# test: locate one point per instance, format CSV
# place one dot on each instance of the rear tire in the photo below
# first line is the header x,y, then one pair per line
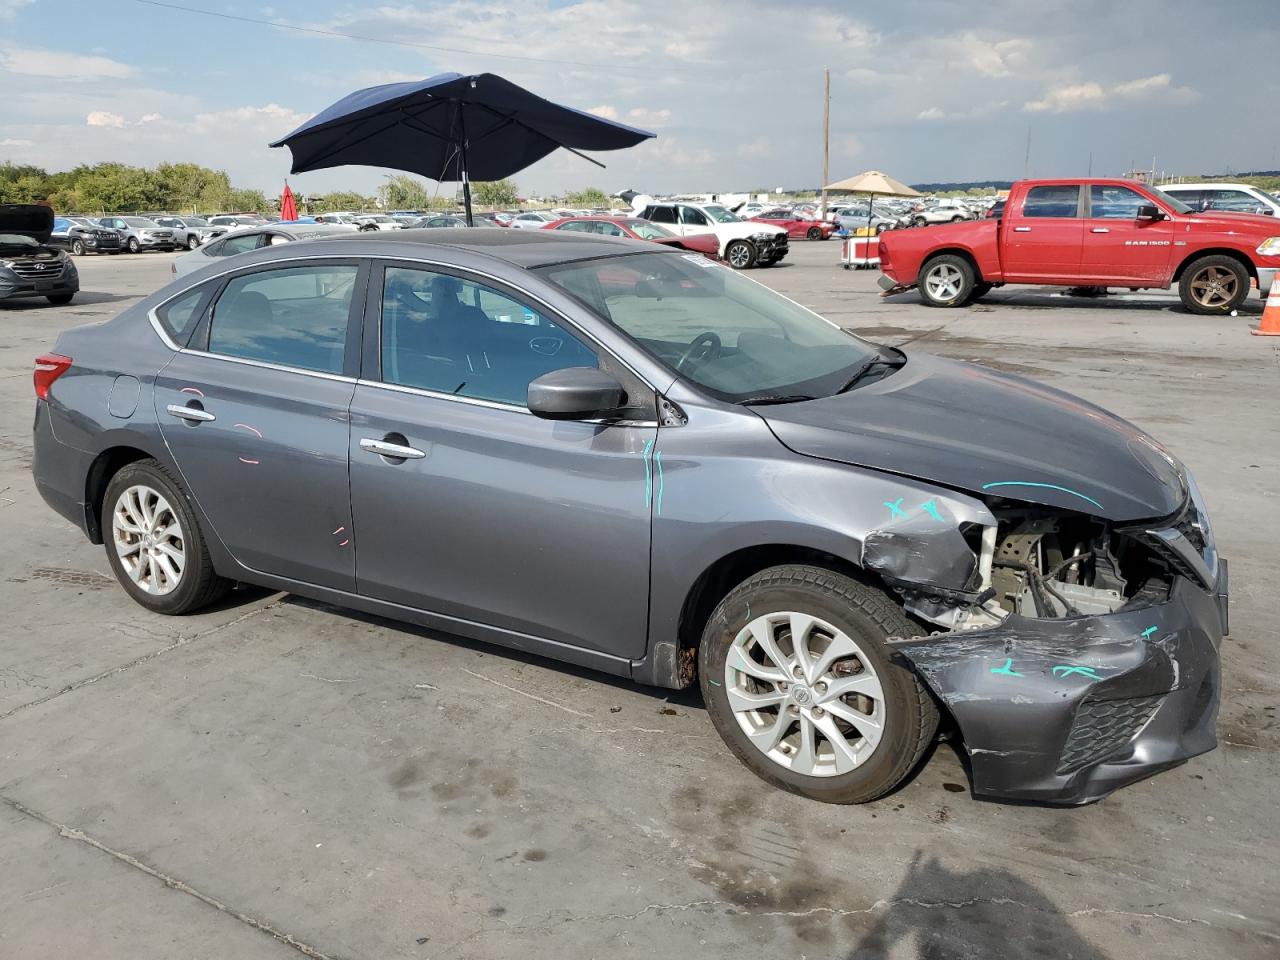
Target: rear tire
x,y
814,233
154,544
1214,285
946,281
740,254
763,721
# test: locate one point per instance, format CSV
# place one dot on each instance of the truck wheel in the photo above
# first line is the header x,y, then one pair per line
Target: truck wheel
x,y
77,248
800,682
741,254
946,281
1214,285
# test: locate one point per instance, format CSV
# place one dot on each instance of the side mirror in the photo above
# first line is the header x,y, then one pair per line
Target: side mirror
x,y
1149,211
575,393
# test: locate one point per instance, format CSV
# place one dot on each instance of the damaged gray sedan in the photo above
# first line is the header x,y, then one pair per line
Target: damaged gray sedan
x,y
638,461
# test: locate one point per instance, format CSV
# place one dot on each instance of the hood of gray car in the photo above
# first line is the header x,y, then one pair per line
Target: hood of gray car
x,y
989,433
27,220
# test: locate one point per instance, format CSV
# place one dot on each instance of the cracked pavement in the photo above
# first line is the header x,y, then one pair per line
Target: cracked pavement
x,y
276,777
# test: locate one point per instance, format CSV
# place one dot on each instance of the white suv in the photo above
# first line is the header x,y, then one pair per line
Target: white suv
x,y
743,243
1227,197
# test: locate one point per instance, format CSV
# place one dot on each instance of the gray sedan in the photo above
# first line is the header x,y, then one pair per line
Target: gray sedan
x,y
251,238
632,459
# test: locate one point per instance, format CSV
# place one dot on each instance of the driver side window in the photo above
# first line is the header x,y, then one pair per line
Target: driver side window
x,y
450,335
688,215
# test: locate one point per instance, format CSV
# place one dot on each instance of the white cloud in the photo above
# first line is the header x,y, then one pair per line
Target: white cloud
x,y
644,117
149,118
9,8
63,65
104,118
932,113
272,120
756,149
604,110
1091,95
16,142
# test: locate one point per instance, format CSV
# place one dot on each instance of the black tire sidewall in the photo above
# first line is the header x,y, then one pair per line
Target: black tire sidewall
x,y
869,780
194,577
132,245
814,233
77,248
751,261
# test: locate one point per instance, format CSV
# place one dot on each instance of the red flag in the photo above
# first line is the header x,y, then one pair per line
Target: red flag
x,y
288,207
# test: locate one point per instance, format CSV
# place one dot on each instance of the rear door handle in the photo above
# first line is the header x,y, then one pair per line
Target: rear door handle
x,y
193,414
1021,229
385,449
1100,230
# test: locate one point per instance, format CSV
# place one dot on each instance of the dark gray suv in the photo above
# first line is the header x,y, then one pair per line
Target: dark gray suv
x,y
635,460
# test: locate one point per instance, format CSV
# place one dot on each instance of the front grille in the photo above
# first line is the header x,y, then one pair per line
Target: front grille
x,y
1102,727
106,236
161,234
38,269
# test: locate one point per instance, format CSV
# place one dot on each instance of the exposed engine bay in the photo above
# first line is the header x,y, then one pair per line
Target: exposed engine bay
x,y
1045,565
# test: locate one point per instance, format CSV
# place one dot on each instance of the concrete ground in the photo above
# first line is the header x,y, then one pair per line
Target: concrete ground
x,y
275,776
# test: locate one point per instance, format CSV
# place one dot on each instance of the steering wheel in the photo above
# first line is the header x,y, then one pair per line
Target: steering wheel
x,y
705,346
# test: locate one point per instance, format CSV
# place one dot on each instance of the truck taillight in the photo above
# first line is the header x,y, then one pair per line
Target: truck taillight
x,y
48,369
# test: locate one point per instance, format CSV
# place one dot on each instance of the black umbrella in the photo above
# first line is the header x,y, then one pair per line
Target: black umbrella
x,y
450,127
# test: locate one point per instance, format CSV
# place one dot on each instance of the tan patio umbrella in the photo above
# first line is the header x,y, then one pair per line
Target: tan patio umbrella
x,y
873,183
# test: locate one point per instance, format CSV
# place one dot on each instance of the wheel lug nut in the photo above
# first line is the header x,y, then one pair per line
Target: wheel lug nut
x,y
782,686
798,673
820,687
818,711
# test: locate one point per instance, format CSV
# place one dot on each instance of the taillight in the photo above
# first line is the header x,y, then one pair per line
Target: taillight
x,y
48,369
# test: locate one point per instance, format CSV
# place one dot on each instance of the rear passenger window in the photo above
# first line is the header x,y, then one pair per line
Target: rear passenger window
x,y
243,244
662,214
295,316
182,314
455,336
1052,201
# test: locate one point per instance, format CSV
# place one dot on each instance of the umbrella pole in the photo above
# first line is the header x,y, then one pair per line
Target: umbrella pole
x,y
466,178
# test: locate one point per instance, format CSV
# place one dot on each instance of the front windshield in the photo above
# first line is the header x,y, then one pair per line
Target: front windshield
x,y
648,231
196,222
721,214
1171,200
140,222
733,336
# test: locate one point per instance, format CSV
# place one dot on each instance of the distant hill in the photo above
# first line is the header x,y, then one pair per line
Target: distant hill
x,y
962,186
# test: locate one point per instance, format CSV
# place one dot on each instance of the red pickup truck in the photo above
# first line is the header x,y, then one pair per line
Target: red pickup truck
x,y
1088,233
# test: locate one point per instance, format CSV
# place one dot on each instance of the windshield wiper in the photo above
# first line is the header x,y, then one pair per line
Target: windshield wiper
x,y
769,398
871,363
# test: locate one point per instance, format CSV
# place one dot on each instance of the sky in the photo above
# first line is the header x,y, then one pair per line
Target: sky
x,y
925,90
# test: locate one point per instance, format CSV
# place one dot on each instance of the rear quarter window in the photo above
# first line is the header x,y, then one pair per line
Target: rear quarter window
x,y
181,315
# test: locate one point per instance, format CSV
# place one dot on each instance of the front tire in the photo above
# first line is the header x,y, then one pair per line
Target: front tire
x,y
1214,285
814,233
133,245
833,717
77,248
946,281
192,242
154,543
740,254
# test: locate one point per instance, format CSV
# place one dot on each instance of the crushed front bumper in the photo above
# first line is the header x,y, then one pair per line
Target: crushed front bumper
x,y
1066,711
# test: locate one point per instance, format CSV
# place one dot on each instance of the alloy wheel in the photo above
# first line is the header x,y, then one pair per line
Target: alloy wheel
x,y
148,539
1215,287
944,282
739,255
805,694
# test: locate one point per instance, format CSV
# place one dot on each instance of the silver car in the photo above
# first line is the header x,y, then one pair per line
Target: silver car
x,y
632,459
191,231
251,238
140,233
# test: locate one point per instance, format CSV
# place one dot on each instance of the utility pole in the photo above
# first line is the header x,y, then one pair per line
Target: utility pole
x,y
826,138
1026,163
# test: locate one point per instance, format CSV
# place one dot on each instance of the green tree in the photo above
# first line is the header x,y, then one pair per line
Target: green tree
x,y
403,192
495,193
589,197
341,200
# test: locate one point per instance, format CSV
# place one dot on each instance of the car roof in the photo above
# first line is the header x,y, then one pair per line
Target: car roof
x,y
1212,184
521,248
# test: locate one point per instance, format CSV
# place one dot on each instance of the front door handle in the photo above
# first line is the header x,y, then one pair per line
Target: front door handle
x,y
384,448
1021,229
192,414
1100,230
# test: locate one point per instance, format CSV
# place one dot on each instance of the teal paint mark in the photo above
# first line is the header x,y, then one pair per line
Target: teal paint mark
x,y
1149,631
1066,670
895,508
658,457
648,474
715,683
932,509
1043,486
1007,670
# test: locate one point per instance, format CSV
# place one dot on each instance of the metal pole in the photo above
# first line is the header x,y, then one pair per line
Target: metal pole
x,y
466,179
826,139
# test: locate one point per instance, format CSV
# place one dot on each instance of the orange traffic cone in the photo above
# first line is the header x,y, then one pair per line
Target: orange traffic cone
x,y
1270,326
